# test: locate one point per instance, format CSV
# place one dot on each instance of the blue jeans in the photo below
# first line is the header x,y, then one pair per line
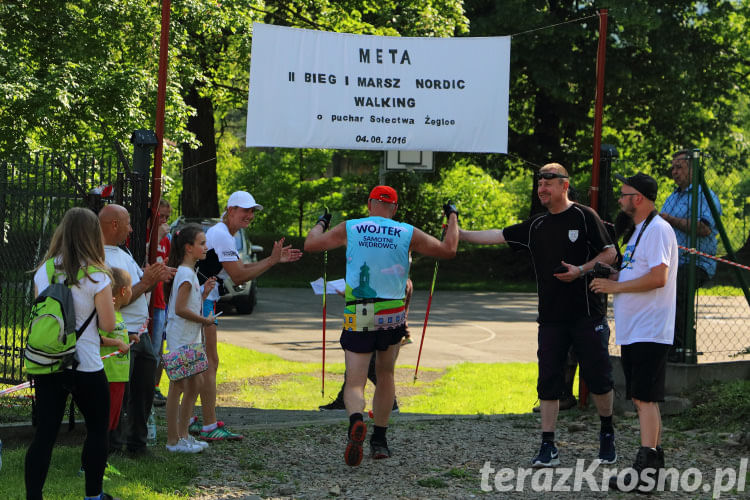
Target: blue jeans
x,y
158,321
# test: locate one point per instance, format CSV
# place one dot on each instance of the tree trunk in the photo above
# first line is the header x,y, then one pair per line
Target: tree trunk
x,y
199,197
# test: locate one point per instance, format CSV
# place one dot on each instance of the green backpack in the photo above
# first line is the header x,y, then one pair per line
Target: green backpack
x,y
51,343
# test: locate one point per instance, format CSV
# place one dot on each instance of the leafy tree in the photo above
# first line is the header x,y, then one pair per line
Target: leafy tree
x,y
673,76
78,74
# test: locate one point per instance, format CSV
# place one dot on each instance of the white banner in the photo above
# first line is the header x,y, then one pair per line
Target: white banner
x,y
317,89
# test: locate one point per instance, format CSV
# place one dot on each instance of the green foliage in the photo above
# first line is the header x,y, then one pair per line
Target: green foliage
x,y
724,406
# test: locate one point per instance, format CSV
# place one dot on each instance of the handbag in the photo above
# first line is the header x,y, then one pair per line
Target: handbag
x,y
185,362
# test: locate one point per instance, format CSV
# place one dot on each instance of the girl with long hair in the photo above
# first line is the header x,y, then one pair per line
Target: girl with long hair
x,y
78,255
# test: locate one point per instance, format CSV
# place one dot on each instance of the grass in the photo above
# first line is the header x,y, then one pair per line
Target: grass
x,y
724,407
156,478
270,382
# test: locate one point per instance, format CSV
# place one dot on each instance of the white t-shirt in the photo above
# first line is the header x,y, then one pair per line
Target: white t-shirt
x,y
135,314
181,331
222,242
648,316
88,344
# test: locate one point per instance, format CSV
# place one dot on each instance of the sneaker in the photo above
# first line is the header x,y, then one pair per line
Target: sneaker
x,y
547,456
353,452
220,434
159,399
395,407
195,426
336,404
107,496
607,452
568,403
183,446
196,442
646,458
379,450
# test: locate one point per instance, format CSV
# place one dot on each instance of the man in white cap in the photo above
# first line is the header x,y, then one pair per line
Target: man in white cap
x,y
223,261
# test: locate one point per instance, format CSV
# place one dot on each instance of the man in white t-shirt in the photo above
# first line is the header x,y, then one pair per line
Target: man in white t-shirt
x,y
644,305
115,223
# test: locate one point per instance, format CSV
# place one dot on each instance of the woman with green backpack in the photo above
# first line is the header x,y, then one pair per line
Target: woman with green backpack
x,y
75,258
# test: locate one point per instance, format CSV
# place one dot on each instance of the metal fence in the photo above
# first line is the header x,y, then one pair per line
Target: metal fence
x,y
35,192
712,216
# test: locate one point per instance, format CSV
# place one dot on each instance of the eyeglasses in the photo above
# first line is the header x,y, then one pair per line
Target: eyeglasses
x,y
550,175
623,195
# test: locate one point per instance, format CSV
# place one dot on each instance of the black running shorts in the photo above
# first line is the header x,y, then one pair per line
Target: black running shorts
x,y
645,367
364,342
589,338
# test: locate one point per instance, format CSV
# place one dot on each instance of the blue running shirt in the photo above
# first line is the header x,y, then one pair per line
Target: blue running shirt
x,y
377,267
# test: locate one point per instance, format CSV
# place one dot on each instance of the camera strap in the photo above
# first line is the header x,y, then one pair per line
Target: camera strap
x,y
640,233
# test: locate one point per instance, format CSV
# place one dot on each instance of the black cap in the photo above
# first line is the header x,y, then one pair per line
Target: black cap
x,y
644,184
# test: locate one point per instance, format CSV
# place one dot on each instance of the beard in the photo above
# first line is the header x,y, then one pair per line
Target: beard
x,y
624,225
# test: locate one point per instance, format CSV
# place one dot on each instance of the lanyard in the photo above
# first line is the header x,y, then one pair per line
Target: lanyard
x,y
640,233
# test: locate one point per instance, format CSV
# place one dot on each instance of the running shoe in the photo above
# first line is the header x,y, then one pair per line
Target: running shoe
x,y
183,446
196,442
547,456
195,426
379,450
159,399
353,452
221,433
607,452
336,404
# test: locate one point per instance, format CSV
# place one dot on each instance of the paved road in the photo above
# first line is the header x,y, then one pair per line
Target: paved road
x,y
464,326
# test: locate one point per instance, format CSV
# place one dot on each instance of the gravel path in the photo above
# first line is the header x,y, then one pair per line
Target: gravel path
x,y
436,458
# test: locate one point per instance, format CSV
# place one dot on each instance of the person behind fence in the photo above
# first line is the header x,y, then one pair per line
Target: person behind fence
x,y
117,368
158,312
377,266
186,358
677,212
222,262
139,394
644,306
77,257
565,243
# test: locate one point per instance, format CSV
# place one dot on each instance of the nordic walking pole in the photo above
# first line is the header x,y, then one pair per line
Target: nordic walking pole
x,y
327,219
429,303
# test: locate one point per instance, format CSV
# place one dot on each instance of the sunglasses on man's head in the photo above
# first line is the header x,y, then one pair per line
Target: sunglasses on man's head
x,y
550,175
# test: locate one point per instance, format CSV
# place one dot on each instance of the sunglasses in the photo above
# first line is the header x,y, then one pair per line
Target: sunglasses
x,y
550,175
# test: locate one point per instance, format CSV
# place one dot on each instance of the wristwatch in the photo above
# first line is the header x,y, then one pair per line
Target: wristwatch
x,y
580,268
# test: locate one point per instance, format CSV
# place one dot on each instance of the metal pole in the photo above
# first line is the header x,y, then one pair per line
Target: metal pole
x,y
161,94
690,356
599,103
601,54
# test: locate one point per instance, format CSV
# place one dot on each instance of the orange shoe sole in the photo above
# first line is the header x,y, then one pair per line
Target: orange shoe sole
x,y
353,452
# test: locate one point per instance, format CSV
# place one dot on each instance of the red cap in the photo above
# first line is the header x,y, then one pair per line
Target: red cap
x,y
386,194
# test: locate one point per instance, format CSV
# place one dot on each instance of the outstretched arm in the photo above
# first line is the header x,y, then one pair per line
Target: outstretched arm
x,y
486,237
240,272
317,240
430,246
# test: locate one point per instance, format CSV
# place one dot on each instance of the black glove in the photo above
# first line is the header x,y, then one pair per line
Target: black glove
x,y
448,209
325,219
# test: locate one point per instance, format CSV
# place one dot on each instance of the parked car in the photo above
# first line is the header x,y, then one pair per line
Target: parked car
x,y
243,297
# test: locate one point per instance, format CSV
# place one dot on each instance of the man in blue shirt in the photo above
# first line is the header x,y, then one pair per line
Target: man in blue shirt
x,y
676,211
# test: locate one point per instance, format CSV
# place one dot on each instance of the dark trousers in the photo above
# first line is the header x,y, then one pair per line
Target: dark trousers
x,y
139,396
683,297
91,394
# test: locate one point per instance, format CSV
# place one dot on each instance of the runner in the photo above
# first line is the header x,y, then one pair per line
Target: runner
x,y
377,256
